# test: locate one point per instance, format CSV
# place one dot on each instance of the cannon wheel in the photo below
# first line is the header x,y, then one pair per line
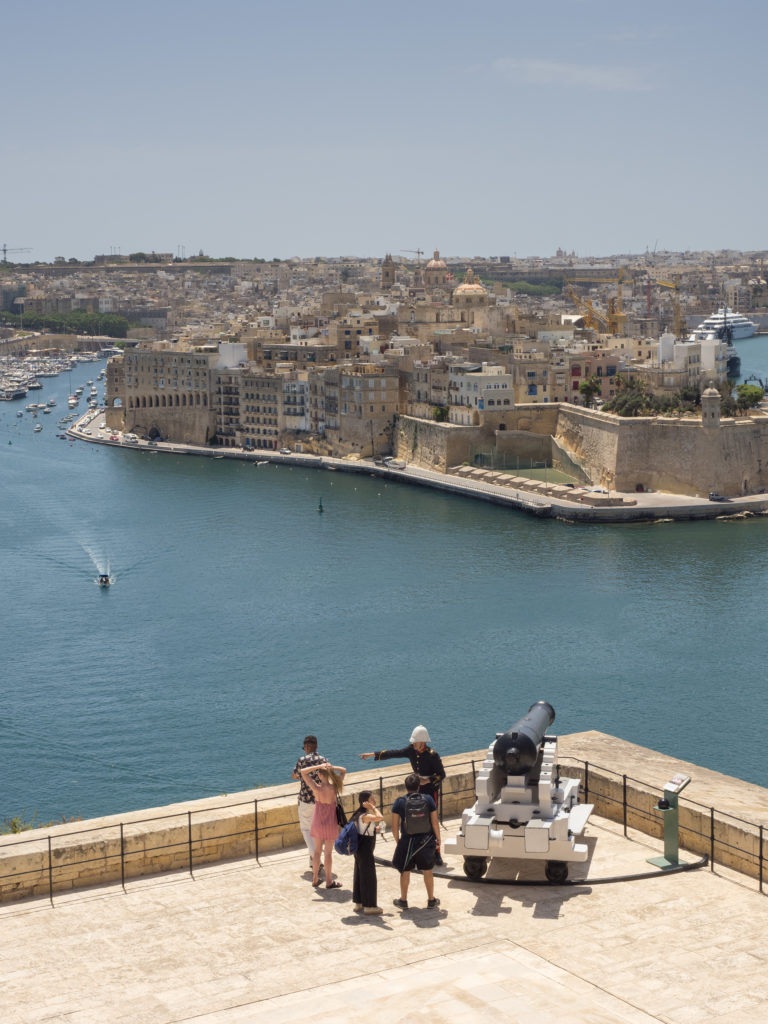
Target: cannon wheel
x,y
556,871
475,868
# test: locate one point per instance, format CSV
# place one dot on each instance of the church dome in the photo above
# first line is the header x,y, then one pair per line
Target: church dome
x,y
436,263
470,287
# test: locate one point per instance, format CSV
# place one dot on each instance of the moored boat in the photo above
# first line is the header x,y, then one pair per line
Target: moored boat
x,y
724,324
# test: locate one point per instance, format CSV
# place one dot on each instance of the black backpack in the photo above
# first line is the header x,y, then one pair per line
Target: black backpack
x,y
417,813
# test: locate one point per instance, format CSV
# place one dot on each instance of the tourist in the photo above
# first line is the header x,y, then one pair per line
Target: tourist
x,y
366,818
306,797
425,762
325,826
416,831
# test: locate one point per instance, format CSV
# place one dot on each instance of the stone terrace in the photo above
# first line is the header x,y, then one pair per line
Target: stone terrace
x,y
246,941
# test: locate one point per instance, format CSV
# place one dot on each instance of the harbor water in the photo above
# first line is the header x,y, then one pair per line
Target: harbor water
x,y
240,618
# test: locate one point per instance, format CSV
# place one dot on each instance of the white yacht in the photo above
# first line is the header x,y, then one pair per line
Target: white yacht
x,y
724,324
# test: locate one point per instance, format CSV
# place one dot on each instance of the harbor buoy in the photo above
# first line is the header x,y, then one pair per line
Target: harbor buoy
x,y
320,506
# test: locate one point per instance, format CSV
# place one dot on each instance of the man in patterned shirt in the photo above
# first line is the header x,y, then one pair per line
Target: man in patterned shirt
x,y
306,798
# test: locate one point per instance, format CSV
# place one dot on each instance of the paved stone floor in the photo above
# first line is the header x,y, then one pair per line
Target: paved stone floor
x,y
245,942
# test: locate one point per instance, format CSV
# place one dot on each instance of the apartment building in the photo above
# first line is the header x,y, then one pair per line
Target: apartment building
x,y
353,407
474,390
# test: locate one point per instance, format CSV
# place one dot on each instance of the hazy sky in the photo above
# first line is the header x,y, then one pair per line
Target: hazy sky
x,y
296,128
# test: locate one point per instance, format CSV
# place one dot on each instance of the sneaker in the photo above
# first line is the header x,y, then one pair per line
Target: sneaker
x,y
402,904
372,910
357,906
433,903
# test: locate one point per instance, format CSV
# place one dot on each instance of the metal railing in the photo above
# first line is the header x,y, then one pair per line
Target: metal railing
x,y
624,807
711,840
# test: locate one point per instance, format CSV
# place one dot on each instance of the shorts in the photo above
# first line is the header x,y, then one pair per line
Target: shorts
x,y
415,852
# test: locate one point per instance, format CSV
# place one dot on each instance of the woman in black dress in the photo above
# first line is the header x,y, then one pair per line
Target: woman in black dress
x,y
366,818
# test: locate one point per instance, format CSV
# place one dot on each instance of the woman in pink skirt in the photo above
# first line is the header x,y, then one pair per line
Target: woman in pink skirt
x,y
324,828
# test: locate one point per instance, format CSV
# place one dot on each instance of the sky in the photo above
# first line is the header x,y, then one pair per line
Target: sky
x,y
252,129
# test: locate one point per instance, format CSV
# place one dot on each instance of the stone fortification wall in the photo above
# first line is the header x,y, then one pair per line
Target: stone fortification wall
x,y
534,419
434,445
183,836
592,440
683,458
724,816
526,432
678,456
663,454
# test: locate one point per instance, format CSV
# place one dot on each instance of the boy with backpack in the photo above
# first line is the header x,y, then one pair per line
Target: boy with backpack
x,y
416,831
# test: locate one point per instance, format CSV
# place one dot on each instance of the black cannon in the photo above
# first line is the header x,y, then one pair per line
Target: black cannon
x,y
516,751
525,810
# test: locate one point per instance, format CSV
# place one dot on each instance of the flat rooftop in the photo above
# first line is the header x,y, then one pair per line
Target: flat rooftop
x,y
246,941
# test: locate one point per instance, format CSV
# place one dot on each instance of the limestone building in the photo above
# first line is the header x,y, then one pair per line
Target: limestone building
x,y
353,407
162,390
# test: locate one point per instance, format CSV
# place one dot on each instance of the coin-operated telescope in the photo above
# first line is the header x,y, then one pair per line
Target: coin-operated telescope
x,y
523,810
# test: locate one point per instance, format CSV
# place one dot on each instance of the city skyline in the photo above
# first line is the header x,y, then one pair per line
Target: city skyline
x,y
338,130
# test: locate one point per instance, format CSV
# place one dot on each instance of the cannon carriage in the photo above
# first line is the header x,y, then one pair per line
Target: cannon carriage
x,y
524,810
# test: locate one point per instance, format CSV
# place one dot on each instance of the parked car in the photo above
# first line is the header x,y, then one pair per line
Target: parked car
x,y
285,451
714,496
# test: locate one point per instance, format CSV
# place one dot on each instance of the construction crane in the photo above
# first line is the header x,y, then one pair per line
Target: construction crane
x,y
419,253
614,319
592,318
678,319
6,250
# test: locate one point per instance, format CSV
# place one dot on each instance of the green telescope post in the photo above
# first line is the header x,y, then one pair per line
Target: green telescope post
x,y
668,807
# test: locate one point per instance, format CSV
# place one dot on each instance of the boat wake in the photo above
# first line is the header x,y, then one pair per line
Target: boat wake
x,y
101,565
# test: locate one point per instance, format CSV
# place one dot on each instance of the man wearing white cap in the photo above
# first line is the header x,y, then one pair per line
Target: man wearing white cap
x,y
426,764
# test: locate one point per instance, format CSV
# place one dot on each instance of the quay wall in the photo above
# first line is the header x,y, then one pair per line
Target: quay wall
x,y
718,814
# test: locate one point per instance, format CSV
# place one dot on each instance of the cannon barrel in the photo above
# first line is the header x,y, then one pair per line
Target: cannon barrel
x,y
516,751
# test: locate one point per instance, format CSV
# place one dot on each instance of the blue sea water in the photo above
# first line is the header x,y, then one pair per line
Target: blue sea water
x,y
241,619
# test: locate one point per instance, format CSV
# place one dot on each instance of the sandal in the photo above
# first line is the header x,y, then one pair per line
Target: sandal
x,y
333,885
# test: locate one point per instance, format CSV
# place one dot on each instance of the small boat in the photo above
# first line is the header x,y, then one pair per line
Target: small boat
x,y
38,427
104,580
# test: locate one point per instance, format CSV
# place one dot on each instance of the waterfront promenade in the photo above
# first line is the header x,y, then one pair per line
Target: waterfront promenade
x,y
637,507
